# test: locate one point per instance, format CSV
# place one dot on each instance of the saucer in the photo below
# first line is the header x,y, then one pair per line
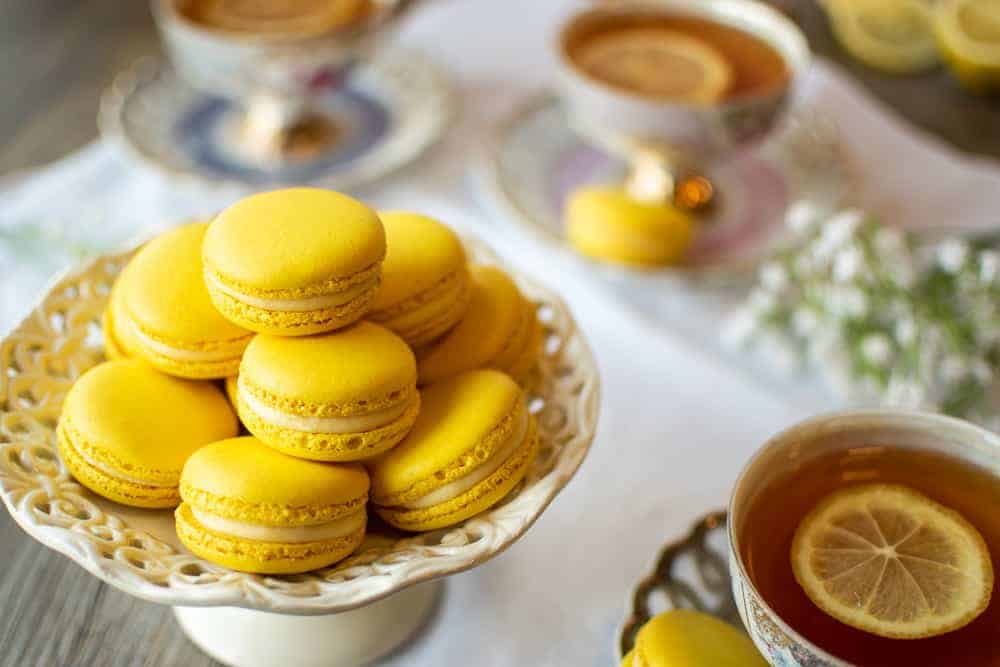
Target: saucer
x,y
536,161
689,573
387,113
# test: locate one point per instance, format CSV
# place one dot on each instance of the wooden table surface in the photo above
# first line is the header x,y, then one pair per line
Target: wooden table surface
x,y
56,56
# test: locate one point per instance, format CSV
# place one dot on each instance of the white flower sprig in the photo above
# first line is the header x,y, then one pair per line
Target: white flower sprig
x,y
882,317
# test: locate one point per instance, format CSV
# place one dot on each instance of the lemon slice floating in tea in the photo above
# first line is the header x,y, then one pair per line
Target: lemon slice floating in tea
x,y
968,32
658,63
896,36
890,561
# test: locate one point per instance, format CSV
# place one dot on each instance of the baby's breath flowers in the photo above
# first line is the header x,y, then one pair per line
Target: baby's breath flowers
x,y
884,318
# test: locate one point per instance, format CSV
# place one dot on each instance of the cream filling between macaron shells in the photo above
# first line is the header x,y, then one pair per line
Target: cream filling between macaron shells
x,y
296,305
477,475
341,527
117,474
182,354
338,425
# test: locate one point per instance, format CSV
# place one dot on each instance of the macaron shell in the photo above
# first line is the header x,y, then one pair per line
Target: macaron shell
x,y
627,661
261,557
118,490
478,499
293,238
292,323
428,315
330,446
606,224
130,417
348,372
166,300
421,252
461,421
491,320
244,480
113,348
685,636
118,342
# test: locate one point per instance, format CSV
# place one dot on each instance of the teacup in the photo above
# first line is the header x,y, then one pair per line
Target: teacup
x,y
276,77
857,434
679,136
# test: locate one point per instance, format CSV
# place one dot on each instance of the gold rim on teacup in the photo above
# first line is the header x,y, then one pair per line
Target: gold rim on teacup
x,y
667,141
774,637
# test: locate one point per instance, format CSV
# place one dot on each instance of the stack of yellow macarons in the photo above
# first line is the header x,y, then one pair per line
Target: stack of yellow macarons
x,y
360,350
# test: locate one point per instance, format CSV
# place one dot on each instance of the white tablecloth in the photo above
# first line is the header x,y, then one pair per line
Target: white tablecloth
x,y
676,422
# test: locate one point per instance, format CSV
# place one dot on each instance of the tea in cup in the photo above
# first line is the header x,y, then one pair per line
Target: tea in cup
x,y
871,538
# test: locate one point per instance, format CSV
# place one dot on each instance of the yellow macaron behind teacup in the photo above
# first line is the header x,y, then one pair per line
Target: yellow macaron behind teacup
x,y
342,396
472,443
425,282
607,224
251,508
294,262
500,330
126,430
168,314
688,638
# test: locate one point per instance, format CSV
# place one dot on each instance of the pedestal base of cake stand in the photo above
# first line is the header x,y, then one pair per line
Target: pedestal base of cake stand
x,y
249,638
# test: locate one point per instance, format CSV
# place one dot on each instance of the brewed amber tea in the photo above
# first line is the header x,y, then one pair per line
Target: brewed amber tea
x,y
287,17
673,56
777,510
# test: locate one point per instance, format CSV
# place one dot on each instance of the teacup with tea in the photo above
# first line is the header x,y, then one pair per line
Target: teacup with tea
x,y
275,59
871,538
686,82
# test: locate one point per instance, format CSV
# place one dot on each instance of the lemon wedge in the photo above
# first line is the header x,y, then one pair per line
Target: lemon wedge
x,y
968,32
892,562
657,62
895,36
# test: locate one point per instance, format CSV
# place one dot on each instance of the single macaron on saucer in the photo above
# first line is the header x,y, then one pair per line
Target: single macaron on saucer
x,y
253,509
425,281
126,430
342,396
500,329
167,315
470,446
294,262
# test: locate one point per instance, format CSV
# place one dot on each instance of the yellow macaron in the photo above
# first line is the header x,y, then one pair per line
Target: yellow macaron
x,y
251,508
341,396
425,282
118,343
294,262
688,638
500,330
126,430
607,224
168,314
472,443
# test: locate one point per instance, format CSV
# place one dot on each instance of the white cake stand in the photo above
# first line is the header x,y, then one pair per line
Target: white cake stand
x,y
345,615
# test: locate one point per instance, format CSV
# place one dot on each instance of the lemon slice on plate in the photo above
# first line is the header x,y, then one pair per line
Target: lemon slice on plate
x,y
895,36
892,562
657,63
968,32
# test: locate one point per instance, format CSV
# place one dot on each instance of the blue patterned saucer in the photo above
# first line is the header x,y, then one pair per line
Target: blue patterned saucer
x,y
386,114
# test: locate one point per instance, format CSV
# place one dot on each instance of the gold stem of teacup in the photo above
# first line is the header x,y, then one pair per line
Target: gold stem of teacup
x,y
279,127
656,176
